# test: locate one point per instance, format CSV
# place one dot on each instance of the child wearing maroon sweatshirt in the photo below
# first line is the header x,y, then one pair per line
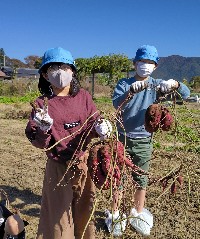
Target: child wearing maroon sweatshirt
x,y
63,121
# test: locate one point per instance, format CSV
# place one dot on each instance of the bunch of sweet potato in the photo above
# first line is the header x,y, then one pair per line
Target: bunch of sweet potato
x,y
106,163
157,116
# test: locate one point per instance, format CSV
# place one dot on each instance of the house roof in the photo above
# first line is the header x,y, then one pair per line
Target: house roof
x,y
20,72
2,74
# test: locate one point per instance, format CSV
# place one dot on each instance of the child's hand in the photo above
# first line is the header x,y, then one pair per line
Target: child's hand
x,y
103,128
42,118
138,86
167,86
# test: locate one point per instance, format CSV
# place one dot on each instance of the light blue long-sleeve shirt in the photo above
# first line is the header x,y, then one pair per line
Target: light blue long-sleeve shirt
x,y
133,112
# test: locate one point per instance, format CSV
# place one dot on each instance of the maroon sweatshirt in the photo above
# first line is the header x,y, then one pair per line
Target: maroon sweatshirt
x,y
69,114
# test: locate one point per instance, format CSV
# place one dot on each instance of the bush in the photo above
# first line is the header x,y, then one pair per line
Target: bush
x,y
17,87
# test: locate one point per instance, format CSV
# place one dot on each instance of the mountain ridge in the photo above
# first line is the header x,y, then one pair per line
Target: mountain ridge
x,y
177,67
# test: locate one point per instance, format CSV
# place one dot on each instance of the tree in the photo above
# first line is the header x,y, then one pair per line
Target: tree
x,y
185,82
2,55
15,63
38,63
111,67
30,61
195,83
112,64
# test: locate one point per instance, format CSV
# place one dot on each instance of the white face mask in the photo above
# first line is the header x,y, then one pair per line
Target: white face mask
x,y
144,69
60,78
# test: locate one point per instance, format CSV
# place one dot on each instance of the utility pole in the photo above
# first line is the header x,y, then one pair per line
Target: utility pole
x,y
4,60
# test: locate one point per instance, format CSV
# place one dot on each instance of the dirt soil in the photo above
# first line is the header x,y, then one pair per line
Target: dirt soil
x,y
22,168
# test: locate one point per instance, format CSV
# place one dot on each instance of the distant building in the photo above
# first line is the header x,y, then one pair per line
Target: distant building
x,y
3,76
20,72
7,70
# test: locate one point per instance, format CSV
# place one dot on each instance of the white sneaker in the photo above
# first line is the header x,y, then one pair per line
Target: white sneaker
x,y
119,227
142,222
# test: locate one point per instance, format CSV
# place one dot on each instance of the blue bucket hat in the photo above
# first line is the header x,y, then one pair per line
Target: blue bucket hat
x,y
147,52
57,54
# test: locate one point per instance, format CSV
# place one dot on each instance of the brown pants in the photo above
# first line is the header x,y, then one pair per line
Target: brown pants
x,y
62,215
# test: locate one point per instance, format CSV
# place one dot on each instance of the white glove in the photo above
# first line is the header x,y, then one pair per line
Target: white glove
x,y
104,128
167,86
1,220
138,86
43,120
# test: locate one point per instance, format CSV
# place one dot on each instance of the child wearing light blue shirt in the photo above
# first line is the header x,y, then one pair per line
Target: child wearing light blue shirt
x,y
138,141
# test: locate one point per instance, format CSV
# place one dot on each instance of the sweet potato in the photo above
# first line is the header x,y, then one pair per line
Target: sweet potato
x,y
156,117
105,163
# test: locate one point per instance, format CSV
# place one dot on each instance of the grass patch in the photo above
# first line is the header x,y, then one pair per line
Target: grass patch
x,y
17,99
103,100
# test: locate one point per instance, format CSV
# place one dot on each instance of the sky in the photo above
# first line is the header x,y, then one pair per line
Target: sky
x,y
89,28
